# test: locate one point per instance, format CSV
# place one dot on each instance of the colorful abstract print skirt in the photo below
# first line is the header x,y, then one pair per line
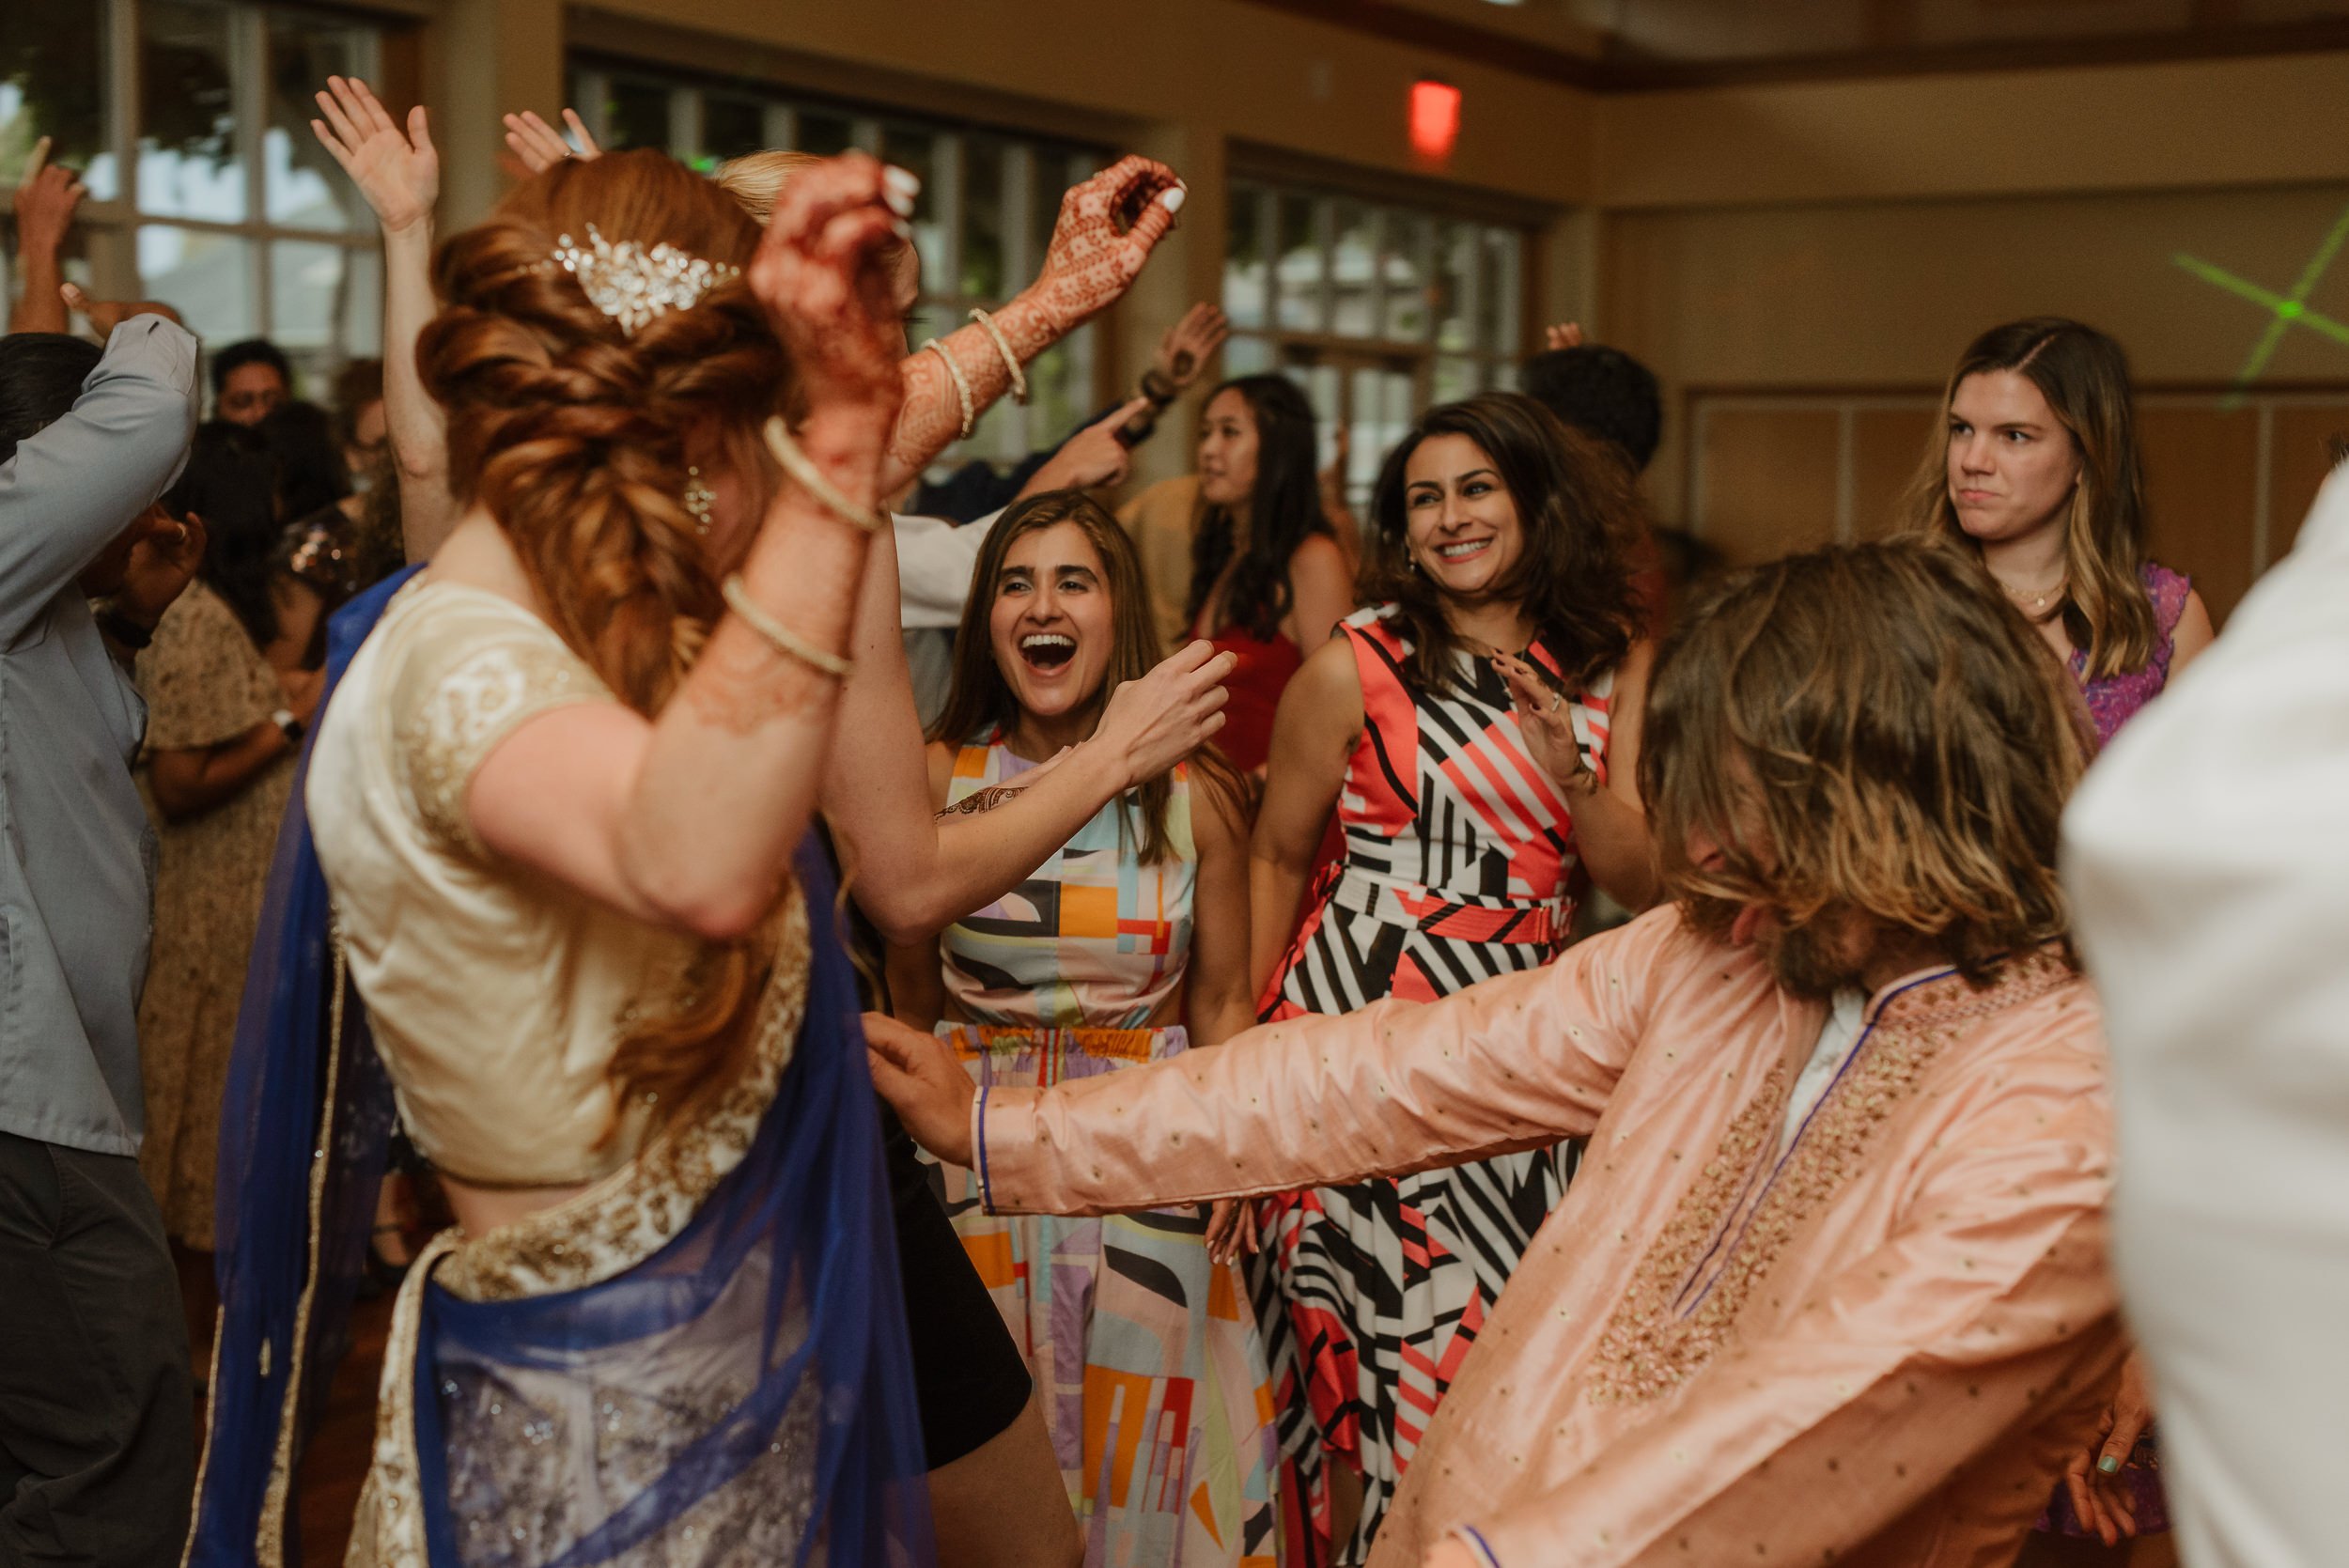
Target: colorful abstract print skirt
x,y
1144,1351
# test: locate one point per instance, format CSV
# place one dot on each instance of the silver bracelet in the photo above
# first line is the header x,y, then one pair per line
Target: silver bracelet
x,y
805,474
1011,361
962,386
786,640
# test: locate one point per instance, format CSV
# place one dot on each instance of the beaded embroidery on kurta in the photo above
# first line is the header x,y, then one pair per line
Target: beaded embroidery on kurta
x,y
1649,1348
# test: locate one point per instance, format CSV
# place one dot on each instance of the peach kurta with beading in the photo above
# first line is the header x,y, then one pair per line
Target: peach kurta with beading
x,y
1878,1348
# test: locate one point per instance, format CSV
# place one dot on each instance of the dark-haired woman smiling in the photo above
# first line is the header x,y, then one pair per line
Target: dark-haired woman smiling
x,y
1269,581
1500,592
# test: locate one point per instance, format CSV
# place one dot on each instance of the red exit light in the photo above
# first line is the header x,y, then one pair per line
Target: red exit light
x,y
1434,119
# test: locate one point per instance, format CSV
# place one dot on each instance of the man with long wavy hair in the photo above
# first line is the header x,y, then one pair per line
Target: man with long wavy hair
x,y
1831,1285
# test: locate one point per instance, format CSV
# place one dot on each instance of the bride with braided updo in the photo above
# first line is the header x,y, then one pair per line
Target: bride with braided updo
x,y
559,800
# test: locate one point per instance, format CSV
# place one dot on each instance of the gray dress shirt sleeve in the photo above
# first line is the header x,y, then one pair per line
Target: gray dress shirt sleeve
x,y
74,485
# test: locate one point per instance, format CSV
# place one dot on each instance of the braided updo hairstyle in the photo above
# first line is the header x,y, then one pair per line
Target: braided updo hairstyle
x,y
576,436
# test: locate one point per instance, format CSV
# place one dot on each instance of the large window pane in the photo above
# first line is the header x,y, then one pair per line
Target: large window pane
x,y
1354,271
1498,316
636,114
208,277
53,82
1456,379
1457,278
303,187
825,135
1403,262
1060,387
1246,356
1247,261
917,153
188,162
731,128
983,225
1301,266
325,302
1380,404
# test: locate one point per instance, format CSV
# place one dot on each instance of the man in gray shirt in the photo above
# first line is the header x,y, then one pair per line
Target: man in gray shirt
x,y
96,1402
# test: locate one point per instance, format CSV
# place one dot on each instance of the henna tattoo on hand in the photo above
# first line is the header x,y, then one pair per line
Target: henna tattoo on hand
x,y
985,801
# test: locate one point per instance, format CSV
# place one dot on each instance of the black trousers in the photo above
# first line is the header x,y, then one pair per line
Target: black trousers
x,y
97,1408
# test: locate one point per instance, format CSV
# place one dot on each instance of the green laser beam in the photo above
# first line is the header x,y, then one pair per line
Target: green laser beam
x,y
2285,311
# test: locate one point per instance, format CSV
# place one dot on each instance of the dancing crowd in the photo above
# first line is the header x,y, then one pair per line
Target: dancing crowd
x,y
878,1015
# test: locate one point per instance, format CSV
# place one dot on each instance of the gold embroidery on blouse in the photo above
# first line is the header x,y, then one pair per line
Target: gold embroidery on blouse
x,y
610,1228
1649,1348
635,1211
446,734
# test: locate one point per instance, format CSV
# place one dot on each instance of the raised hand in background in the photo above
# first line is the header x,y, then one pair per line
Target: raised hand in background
x,y
399,172
539,145
45,201
1183,353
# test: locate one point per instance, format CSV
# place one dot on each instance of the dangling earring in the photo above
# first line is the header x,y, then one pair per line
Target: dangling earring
x,y
699,499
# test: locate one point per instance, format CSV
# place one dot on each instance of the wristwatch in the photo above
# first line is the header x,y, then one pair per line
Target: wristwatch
x,y
287,725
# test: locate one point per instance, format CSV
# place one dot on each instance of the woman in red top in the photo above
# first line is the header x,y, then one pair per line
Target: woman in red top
x,y
1267,579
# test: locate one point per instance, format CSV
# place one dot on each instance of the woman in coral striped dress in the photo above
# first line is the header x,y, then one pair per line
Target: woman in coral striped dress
x,y
1128,945
1495,544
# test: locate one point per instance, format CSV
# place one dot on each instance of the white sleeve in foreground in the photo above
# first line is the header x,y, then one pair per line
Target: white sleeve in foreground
x,y
2207,858
935,560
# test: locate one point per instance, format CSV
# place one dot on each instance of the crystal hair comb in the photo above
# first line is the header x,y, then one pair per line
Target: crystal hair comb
x,y
633,285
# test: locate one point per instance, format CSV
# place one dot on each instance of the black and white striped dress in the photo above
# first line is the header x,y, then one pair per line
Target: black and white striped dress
x,y
1460,865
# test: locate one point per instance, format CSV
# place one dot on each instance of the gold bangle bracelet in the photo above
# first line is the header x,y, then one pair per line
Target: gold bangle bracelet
x,y
805,474
962,387
786,640
1003,347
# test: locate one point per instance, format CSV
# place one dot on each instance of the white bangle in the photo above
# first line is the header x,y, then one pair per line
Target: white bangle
x,y
962,386
786,640
803,473
1011,361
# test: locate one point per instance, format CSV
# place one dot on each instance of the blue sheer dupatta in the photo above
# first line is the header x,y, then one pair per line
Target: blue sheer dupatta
x,y
678,1367
305,1119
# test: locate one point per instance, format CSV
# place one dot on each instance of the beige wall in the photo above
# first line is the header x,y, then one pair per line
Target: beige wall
x,y
1884,295
1799,237
1797,245
2170,125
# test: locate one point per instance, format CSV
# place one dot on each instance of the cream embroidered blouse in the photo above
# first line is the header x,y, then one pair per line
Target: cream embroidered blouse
x,y
496,1000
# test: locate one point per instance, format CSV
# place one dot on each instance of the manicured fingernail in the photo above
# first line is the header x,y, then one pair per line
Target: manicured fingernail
x,y
2108,1466
898,202
902,183
1174,199
903,230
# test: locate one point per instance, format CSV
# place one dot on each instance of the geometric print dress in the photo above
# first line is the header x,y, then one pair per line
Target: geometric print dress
x,y
1145,1355
1460,864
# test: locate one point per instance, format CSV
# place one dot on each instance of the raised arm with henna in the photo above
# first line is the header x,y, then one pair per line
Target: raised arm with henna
x,y
1089,264
400,175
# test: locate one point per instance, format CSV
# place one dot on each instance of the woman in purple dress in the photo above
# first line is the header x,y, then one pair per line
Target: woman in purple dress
x,y
2036,472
